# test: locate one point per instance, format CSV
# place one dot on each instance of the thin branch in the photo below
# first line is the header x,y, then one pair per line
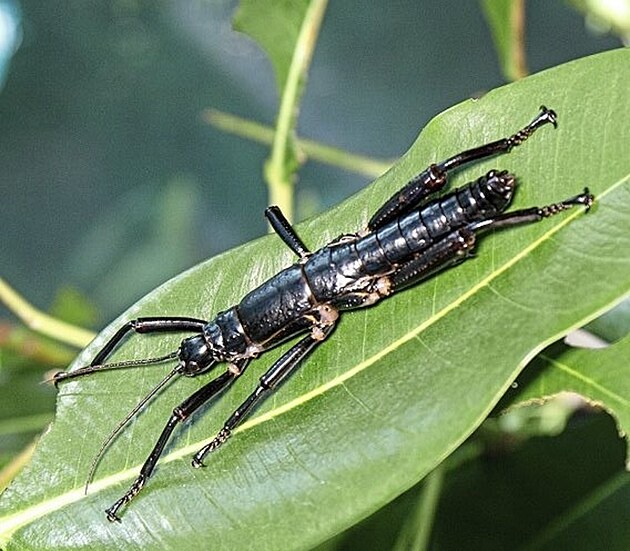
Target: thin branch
x,y
43,323
518,44
279,171
315,151
416,531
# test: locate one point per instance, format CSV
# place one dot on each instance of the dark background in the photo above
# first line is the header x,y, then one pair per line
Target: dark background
x,y
111,182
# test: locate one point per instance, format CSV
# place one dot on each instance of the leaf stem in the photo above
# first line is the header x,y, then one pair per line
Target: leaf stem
x,y
281,166
316,151
416,530
43,323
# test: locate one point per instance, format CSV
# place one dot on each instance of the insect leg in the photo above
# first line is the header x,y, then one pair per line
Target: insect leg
x,y
269,382
286,232
452,249
161,324
504,145
434,178
457,246
533,214
180,414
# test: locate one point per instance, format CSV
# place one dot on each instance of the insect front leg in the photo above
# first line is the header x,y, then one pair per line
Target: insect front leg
x,y
180,414
163,324
269,382
434,178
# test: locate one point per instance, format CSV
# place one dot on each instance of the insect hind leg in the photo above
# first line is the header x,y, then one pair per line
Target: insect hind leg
x,y
434,177
458,245
452,249
533,214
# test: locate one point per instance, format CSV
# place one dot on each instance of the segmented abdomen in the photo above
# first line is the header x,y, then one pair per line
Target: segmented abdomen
x,y
275,309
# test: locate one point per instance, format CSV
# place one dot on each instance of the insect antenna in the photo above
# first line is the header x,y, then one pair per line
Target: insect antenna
x,y
122,424
65,375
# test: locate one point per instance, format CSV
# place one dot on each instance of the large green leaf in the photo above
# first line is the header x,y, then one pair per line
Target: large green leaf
x,y
397,388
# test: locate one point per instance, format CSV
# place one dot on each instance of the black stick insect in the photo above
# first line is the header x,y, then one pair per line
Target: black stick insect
x,y
407,240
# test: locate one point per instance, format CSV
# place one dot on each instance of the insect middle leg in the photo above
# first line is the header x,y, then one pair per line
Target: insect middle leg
x,y
433,178
180,414
269,382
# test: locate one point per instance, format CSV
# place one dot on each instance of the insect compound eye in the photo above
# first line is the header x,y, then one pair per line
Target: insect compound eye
x,y
195,356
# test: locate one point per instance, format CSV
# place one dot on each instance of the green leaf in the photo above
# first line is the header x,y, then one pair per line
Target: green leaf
x,y
506,19
275,25
599,375
614,324
396,389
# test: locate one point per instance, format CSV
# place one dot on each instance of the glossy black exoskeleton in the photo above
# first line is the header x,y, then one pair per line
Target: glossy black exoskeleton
x,y
407,240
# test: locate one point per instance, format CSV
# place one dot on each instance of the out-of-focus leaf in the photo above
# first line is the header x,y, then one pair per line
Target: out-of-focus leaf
x,y
72,306
601,376
26,405
607,16
396,389
541,496
506,19
613,325
569,491
275,25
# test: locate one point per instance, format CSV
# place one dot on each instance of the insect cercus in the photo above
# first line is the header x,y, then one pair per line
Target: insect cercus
x,y
407,240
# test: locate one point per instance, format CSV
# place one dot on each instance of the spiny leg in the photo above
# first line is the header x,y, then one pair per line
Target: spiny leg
x,y
434,178
269,382
180,414
162,324
286,232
